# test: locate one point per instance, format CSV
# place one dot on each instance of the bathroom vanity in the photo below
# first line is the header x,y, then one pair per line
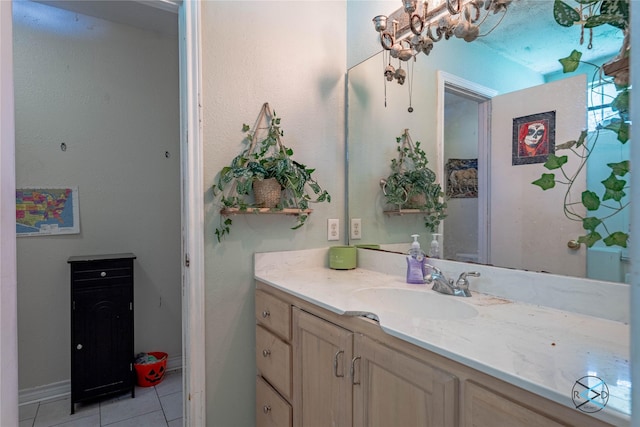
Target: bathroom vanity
x,y
363,348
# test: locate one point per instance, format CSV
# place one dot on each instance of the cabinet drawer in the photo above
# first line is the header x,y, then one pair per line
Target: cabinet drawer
x,y
102,274
271,409
274,314
273,359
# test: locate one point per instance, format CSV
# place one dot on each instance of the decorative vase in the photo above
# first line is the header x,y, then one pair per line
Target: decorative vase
x,y
266,192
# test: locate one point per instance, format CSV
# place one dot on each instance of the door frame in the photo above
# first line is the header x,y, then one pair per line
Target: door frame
x,y
482,95
193,289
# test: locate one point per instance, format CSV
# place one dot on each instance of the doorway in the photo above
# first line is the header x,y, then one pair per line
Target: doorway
x,y
191,218
463,151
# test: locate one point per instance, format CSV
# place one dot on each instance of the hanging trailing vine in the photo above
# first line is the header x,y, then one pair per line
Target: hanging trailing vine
x,y
610,197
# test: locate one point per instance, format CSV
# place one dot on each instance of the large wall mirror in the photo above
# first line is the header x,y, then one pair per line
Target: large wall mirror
x,y
464,99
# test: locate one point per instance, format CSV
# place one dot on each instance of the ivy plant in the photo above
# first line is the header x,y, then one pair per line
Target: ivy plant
x,y
266,157
412,184
607,200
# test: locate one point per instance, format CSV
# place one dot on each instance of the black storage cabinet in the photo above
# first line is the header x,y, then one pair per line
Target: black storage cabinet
x,y
102,353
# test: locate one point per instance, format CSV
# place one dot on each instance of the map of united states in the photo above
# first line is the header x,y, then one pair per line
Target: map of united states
x,y
43,209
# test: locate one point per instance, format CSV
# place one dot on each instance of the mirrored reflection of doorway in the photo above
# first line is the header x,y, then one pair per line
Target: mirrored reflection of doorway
x,y
464,109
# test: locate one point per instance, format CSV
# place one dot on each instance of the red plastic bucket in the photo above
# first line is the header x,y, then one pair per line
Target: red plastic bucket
x,y
150,374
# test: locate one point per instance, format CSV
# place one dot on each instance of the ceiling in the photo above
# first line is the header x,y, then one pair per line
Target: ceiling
x,y
152,15
529,35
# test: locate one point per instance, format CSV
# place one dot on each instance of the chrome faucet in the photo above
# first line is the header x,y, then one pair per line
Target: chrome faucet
x,y
446,286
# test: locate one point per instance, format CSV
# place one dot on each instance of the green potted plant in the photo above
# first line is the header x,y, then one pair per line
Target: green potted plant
x,y
412,185
290,186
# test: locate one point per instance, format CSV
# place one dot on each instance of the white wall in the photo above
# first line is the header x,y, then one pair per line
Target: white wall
x,y
291,54
460,229
8,297
110,93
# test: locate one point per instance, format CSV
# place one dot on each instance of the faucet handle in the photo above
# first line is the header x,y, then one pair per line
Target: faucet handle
x,y
430,271
462,280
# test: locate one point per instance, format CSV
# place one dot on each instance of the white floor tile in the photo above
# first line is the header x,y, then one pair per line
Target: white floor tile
x,y
26,423
145,402
151,407
172,405
27,411
59,412
154,419
171,383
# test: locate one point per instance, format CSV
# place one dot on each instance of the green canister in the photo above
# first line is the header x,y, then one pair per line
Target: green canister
x,y
342,257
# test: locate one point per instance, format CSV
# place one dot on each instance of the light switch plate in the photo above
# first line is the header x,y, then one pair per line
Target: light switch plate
x,y
333,229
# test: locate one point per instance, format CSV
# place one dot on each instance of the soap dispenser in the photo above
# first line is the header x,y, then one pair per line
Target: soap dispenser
x,y
415,262
434,252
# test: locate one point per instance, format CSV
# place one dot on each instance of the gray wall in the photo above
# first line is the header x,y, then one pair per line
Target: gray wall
x,y
110,93
292,55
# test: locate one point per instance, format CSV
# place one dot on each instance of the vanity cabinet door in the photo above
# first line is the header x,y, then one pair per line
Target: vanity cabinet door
x,y
322,353
394,389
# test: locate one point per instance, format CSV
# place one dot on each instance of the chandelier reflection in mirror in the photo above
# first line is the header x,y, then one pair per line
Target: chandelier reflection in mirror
x,y
414,28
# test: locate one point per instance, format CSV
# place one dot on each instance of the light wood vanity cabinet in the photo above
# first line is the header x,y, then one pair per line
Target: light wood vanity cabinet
x,y
273,361
322,355
317,368
394,389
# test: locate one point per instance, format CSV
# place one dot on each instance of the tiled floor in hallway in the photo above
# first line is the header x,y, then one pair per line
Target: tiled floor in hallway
x,y
159,406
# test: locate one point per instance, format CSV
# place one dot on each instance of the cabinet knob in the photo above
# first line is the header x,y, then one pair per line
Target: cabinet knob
x,y
266,353
79,346
103,274
266,314
266,409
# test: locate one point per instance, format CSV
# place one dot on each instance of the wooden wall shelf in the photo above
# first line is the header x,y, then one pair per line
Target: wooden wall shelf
x,y
262,211
405,212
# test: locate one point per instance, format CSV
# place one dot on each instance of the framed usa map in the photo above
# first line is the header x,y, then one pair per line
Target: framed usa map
x,y
47,210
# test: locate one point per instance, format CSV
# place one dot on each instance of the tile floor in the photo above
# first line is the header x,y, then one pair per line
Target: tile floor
x,y
159,406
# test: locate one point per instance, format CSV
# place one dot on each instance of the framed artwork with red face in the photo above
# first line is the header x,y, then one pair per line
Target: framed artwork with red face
x,y
533,138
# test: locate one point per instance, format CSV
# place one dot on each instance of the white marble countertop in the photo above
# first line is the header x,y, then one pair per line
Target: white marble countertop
x,y
542,349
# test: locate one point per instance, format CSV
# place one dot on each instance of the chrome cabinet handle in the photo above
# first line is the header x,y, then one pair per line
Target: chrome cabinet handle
x,y
103,274
79,346
266,353
266,409
266,314
335,364
353,370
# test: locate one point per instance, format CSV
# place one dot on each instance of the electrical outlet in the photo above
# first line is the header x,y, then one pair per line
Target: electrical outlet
x,y
333,229
356,228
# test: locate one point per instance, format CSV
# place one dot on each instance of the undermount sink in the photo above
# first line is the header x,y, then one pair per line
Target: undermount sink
x,y
413,303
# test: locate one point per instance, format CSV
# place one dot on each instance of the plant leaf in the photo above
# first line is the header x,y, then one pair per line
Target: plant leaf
x,y
616,195
546,181
590,239
564,14
582,138
597,20
614,187
590,200
571,62
621,168
621,129
617,239
619,10
555,162
591,223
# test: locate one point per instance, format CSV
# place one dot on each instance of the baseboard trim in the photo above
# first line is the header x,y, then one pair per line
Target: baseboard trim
x,y
62,389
